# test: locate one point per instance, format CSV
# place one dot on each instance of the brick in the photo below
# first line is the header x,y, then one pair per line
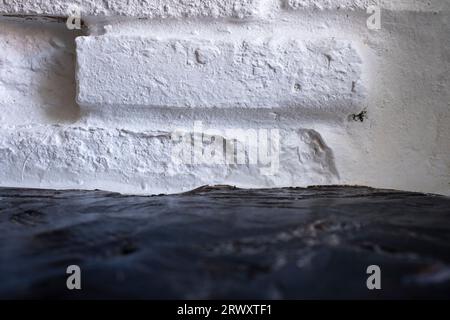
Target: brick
x,y
147,162
328,4
405,5
316,74
135,8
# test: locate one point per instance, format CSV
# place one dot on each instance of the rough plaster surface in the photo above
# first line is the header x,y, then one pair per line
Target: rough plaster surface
x,y
407,5
142,162
202,8
36,74
137,8
403,142
201,73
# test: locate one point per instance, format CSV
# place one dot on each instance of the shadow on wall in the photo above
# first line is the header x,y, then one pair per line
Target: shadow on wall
x,y
37,73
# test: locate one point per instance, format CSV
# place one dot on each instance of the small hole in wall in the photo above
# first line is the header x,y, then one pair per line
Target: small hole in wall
x,y
329,59
297,87
361,117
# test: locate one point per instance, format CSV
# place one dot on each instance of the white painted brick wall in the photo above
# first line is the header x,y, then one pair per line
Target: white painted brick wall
x,y
201,8
144,69
137,8
320,74
142,162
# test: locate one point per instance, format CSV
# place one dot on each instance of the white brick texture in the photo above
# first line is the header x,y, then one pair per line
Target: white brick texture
x,y
136,8
240,9
321,75
97,107
142,162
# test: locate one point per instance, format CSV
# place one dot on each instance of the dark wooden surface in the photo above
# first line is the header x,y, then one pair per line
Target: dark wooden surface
x,y
225,243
